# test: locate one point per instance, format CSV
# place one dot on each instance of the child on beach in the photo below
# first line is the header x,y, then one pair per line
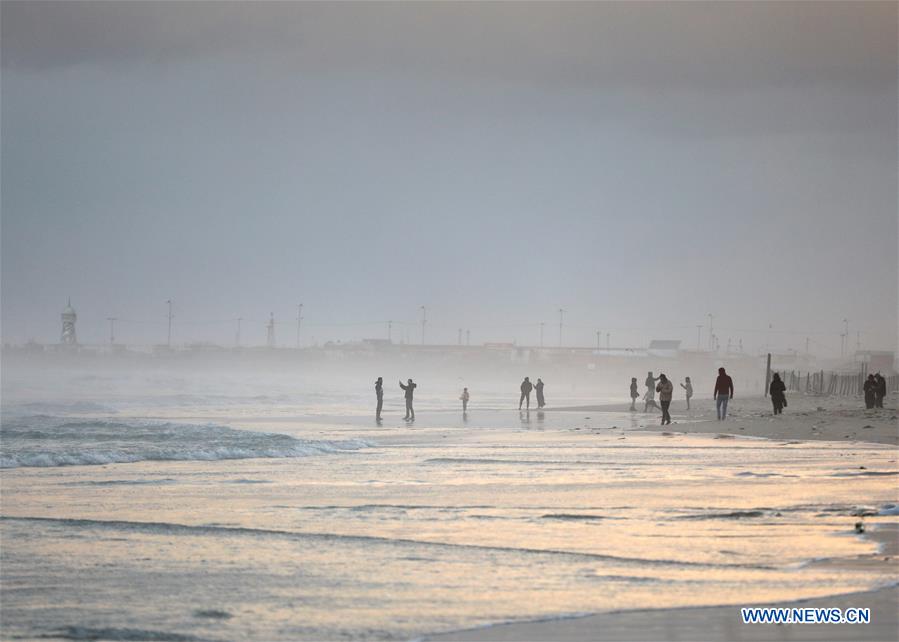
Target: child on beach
x,y
634,394
688,386
464,398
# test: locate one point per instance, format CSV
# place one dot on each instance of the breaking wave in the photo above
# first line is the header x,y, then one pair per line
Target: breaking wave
x,y
45,441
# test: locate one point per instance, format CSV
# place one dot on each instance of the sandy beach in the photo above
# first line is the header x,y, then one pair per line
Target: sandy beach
x,y
805,418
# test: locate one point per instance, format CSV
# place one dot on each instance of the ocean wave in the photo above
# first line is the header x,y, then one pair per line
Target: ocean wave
x,y
572,517
115,633
169,528
57,407
45,441
737,514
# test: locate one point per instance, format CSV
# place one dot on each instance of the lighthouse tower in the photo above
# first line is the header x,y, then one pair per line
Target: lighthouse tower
x,y
69,317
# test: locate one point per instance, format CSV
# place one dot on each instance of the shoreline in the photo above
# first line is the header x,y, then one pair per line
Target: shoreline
x,y
718,622
698,624
807,418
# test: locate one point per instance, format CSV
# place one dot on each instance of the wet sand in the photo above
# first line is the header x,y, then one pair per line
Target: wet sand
x,y
720,622
805,419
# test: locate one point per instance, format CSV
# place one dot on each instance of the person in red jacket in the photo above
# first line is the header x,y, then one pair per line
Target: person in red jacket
x,y
724,390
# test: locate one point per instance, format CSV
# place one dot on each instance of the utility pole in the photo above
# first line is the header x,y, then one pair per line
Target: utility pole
x,y
169,340
390,332
237,335
424,322
112,321
270,331
844,338
299,322
561,318
698,336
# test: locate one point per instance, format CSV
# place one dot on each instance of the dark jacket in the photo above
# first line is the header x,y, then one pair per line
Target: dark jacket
x,y
724,385
526,387
870,387
881,385
665,389
777,389
410,389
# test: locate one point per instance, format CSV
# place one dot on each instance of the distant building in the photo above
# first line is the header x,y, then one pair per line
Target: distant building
x,y
882,361
69,317
664,348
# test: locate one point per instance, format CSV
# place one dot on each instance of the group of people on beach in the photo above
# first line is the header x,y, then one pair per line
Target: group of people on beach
x,y
409,390
724,391
526,387
875,389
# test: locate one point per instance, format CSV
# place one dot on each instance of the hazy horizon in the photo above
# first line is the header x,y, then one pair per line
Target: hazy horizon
x,y
640,165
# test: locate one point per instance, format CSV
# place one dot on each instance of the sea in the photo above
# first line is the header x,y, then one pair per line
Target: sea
x,y
162,507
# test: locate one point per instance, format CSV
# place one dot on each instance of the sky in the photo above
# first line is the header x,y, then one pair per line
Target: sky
x,y
639,165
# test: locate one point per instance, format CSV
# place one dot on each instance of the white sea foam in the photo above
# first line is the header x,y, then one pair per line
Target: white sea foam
x,y
46,441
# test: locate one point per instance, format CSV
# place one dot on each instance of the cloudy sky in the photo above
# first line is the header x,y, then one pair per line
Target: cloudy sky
x,y
640,165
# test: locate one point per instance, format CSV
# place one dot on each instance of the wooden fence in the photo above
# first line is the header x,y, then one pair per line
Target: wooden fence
x,y
831,383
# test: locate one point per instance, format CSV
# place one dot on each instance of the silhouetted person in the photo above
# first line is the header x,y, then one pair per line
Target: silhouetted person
x,y
881,391
379,393
649,399
526,387
635,394
410,390
464,398
688,387
724,391
538,388
870,389
665,390
777,390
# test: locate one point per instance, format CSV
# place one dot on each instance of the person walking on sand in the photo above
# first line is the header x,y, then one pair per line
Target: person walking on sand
x,y
665,390
724,391
464,398
526,387
649,399
410,391
777,390
379,393
635,394
881,391
688,387
870,389
538,388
